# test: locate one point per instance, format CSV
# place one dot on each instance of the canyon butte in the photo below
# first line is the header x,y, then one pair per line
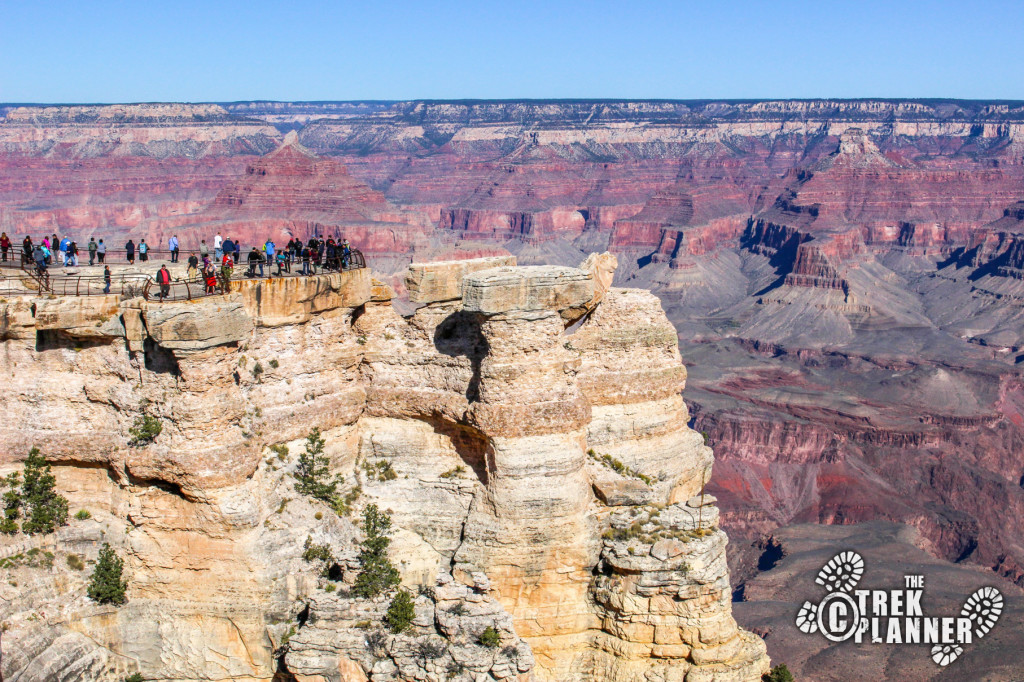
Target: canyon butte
x,y
843,280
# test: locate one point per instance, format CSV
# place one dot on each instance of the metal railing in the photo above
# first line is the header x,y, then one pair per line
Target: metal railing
x,y
26,278
198,287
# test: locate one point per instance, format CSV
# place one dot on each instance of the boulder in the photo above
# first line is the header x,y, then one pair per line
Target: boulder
x,y
198,325
540,288
443,280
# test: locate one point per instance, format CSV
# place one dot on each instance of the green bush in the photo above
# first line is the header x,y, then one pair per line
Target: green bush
x,y
313,552
381,471
489,637
401,612
83,514
779,673
377,574
12,504
75,562
311,475
45,510
454,473
134,677
106,585
144,431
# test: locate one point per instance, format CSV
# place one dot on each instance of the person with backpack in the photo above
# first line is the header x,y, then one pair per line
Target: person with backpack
x,y
129,250
72,255
305,260
92,250
163,278
143,251
172,244
227,266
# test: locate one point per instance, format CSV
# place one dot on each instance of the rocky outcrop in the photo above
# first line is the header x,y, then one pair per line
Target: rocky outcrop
x,y
518,435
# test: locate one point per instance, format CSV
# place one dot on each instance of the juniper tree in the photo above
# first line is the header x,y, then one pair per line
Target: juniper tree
x,y
106,585
311,474
45,509
12,504
401,612
377,575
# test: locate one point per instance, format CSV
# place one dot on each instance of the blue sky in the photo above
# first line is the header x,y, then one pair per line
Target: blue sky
x,y
223,50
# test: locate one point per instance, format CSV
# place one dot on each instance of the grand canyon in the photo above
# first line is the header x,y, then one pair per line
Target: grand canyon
x,y
843,280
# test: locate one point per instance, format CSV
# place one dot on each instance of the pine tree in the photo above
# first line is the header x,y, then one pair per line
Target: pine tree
x,y
378,575
779,673
45,510
401,612
12,504
311,474
106,585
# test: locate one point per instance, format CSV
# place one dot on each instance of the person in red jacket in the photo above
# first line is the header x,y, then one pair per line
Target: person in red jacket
x,y
163,278
5,245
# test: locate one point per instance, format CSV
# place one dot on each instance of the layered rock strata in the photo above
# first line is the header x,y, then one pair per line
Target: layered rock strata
x,y
531,417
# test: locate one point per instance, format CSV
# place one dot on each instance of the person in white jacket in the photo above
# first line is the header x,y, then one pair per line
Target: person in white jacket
x,y
217,251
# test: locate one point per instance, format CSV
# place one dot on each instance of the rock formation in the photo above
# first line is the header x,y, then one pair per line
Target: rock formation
x,y
544,485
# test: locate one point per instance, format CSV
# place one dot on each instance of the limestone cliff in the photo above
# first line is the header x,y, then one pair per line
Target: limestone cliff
x,y
546,483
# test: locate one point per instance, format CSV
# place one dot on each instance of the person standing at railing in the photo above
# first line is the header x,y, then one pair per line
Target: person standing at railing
x,y
282,264
211,277
228,247
254,260
72,257
226,268
143,251
172,245
40,259
92,250
62,248
305,260
101,251
218,252
5,245
26,250
192,273
129,250
163,278
346,254
204,250
269,248
106,278
47,254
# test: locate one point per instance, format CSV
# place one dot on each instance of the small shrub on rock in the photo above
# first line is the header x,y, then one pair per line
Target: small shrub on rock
x,y
106,585
75,562
401,612
83,514
144,431
489,637
135,677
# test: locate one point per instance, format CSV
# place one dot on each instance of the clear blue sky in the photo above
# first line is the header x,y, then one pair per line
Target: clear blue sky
x,y
224,50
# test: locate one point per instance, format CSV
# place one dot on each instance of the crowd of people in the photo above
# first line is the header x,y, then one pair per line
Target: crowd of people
x,y
209,267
